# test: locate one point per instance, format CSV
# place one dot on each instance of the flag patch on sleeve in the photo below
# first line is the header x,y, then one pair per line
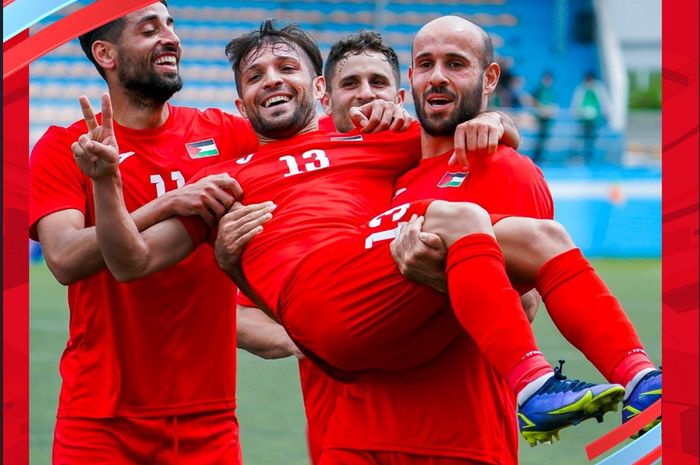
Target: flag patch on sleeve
x,y
452,179
203,148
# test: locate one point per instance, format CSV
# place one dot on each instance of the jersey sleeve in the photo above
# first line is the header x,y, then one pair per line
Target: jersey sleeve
x,y
55,181
516,186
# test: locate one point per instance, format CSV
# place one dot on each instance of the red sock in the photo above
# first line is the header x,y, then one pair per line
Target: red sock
x,y
489,309
590,317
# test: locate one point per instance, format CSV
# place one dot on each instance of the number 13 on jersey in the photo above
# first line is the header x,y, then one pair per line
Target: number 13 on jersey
x,y
318,161
390,217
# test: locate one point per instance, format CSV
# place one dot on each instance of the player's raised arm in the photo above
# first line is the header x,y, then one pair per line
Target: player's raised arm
x,y
128,253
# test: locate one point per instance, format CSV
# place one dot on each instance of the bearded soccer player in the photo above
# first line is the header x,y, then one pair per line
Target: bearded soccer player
x,y
423,415
148,373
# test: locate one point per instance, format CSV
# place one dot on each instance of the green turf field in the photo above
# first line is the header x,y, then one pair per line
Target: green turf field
x,y
270,410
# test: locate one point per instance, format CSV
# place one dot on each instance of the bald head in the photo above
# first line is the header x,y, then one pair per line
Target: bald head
x,y
456,28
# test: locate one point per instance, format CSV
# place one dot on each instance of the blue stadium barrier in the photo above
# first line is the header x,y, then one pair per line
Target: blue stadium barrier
x,y
609,211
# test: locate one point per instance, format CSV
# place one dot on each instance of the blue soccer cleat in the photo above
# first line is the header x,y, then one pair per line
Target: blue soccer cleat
x,y
645,393
563,402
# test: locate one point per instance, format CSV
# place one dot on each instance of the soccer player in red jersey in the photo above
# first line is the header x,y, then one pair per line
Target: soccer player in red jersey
x,y
421,412
334,285
148,373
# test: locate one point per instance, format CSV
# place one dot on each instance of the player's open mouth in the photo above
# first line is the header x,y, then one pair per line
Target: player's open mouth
x,y
438,102
276,100
167,61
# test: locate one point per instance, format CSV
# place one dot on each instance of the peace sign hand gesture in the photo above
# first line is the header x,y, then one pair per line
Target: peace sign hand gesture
x,y
96,152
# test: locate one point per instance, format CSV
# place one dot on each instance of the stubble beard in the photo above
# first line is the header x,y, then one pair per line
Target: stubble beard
x,y
468,107
287,126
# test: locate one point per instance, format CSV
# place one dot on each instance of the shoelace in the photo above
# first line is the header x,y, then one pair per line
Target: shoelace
x,y
560,383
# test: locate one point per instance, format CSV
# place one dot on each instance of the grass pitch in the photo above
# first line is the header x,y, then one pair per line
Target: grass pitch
x,y
270,409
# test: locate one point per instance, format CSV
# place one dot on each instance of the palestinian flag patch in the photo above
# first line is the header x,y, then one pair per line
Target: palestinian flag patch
x,y
355,138
452,179
203,148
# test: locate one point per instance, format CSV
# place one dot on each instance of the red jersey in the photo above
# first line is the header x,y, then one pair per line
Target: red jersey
x,y
323,184
164,344
456,405
325,123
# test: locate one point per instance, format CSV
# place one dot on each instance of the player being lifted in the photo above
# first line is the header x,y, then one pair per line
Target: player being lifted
x,y
332,284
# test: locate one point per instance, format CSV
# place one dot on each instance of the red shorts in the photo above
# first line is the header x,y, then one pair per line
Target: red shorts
x,y
201,439
349,308
358,457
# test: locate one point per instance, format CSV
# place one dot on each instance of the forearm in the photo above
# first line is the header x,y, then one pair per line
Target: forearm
x,y
71,249
123,248
258,334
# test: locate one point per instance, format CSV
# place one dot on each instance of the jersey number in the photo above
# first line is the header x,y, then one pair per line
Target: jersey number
x,y
396,214
157,179
318,158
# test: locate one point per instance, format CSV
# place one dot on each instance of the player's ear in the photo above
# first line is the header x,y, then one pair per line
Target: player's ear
x,y
491,75
241,108
326,103
400,96
319,86
105,54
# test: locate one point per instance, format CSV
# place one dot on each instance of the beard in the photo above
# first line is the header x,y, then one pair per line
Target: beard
x,y
145,86
283,127
468,106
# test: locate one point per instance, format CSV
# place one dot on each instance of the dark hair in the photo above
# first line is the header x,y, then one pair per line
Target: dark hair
x,y
110,32
355,44
269,34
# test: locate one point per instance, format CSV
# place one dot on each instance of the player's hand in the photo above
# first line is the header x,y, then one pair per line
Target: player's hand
x,y
236,228
96,152
420,256
531,303
209,198
380,115
478,136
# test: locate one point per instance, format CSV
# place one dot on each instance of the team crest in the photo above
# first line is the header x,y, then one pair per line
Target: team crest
x,y
202,149
452,179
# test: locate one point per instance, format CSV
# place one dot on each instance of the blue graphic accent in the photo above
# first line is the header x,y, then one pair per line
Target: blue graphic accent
x,y
22,14
634,451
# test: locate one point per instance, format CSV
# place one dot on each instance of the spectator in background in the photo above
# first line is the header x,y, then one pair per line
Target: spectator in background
x,y
544,101
590,104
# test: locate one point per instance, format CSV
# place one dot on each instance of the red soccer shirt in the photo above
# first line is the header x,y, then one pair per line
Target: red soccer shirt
x,y
325,123
324,185
164,344
456,405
